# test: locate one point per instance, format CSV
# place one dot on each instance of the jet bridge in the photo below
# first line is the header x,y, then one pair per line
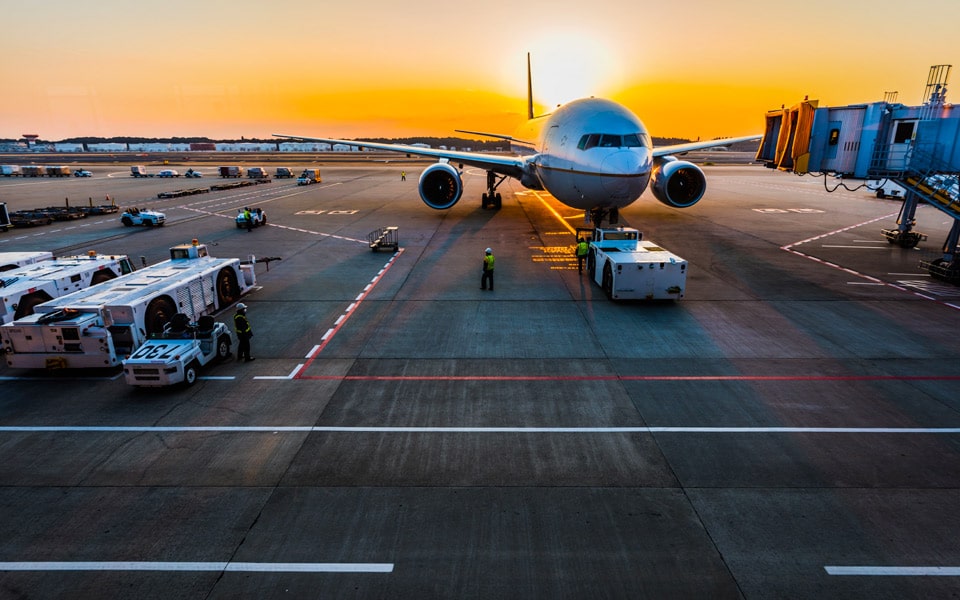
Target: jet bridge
x,y
917,147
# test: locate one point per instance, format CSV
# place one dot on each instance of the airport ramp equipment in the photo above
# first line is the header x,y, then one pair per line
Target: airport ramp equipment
x,y
384,237
917,147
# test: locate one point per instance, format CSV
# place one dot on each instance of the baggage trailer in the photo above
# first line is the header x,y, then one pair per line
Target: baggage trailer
x,y
23,288
99,326
626,267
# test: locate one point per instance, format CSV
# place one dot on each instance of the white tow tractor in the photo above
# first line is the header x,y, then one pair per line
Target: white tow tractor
x,y
147,218
628,268
176,355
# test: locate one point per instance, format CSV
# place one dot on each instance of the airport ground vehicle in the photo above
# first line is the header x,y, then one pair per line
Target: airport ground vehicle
x,y
5,223
178,353
168,173
12,260
231,171
98,326
147,218
59,171
10,170
191,174
23,288
139,171
627,267
309,176
284,173
886,188
257,216
82,173
257,173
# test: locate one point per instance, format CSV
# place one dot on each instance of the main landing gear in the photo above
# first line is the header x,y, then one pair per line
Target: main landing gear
x,y
598,214
491,198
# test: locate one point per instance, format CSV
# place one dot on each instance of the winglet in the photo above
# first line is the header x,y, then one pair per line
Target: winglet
x,y
529,90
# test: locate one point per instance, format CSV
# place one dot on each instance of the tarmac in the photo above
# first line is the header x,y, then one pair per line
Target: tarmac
x,y
789,429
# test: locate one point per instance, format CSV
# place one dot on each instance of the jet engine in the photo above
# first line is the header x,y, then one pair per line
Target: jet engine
x,y
678,183
440,186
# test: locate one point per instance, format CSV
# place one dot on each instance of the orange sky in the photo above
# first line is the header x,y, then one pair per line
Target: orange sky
x,y
423,67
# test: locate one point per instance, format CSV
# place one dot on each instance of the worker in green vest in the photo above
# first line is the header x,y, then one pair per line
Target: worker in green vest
x,y
582,249
244,333
487,270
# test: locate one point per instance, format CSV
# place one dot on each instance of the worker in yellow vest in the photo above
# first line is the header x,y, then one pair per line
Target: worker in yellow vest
x,y
582,249
487,270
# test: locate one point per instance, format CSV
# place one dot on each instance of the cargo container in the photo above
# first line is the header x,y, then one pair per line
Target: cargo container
x,y
231,171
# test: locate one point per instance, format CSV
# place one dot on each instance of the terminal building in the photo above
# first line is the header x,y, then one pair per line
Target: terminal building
x,y
916,147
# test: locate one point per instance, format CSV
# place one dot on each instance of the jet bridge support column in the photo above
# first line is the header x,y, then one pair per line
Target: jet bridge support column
x,y
947,267
904,235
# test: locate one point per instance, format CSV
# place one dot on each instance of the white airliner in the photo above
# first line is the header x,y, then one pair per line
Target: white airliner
x,y
591,154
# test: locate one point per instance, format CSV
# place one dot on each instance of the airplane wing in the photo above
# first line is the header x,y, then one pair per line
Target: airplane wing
x,y
504,165
688,147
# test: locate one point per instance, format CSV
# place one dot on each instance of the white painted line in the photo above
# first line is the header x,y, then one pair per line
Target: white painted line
x,y
896,571
290,376
866,283
372,429
245,567
326,335
339,319
313,350
351,307
360,297
217,377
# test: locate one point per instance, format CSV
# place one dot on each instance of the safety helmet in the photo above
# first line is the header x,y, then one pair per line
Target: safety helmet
x,y
241,306
488,251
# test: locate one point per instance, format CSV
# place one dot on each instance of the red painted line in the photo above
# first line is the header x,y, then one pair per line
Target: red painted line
x,y
632,377
341,321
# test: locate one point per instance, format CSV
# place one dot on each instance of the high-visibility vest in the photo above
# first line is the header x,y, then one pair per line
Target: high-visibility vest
x,y
241,324
488,262
582,249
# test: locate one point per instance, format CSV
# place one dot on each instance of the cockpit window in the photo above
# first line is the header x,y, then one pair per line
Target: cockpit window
x,y
610,140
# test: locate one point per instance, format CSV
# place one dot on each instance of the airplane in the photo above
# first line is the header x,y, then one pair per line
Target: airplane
x,y
591,154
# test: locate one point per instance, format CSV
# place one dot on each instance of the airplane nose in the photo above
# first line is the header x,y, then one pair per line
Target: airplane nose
x,y
627,162
627,173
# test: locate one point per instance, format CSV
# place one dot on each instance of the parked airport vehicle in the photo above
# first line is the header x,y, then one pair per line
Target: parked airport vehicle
x,y
10,170
5,223
98,326
23,288
178,353
231,171
168,173
257,173
257,217
284,173
33,171
82,173
627,267
59,171
309,176
145,217
886,188
139,171
192,174
13,260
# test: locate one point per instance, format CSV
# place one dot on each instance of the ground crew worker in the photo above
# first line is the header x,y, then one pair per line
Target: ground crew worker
x,y
249,218
244,333
487,270
403,175
582,249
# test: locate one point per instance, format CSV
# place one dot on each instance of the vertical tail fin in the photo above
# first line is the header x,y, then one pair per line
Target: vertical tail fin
x,y
529,90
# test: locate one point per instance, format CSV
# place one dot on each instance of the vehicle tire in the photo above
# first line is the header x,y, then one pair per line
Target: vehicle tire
x,y
881,195
101,276
263,219
228,289
147,223
26,304
223,347
190,374
127,221
592,264
607,281
498,201
159,312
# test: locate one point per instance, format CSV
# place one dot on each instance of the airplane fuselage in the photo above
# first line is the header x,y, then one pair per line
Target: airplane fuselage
x,y
589,153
